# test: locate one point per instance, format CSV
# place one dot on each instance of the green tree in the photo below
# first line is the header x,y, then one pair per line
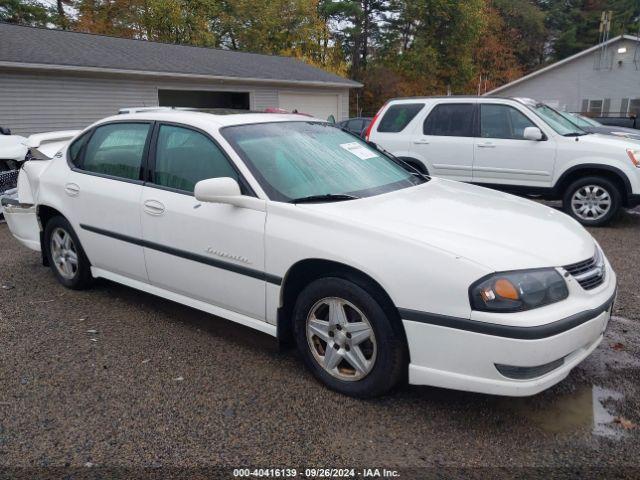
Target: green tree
x,y
526,32
24,12
573,25
358,28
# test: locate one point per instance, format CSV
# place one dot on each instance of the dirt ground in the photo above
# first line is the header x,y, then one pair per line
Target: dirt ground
x,y
112,377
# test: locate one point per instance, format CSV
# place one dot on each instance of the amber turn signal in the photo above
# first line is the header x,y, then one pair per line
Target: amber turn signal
x,y
506,289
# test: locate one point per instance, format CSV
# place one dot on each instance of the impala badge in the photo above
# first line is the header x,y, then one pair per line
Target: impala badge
x,y
218,253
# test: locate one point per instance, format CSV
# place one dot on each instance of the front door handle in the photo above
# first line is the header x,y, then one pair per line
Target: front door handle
x,y
422,141
72,189
486,145
153,207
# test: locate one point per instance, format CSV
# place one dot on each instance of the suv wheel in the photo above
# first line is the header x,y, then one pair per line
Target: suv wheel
x,y
593,201
65,254
347,340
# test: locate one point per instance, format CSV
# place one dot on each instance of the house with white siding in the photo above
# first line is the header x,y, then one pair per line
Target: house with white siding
x,y
603,80
60,80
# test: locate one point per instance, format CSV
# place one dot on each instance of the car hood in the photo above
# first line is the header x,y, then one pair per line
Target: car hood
x,y
606,143
494,229
618,131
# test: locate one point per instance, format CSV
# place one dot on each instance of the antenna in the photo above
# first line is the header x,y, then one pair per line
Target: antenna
x,y
604,32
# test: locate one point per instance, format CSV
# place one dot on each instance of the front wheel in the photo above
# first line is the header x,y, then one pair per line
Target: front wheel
x,y
347,340
65,254
593,201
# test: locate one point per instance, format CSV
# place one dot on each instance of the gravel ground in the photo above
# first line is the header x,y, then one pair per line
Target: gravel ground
x,y
114,377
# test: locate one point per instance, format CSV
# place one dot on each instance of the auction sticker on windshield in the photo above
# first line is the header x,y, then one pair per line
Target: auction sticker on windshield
x,y
359,150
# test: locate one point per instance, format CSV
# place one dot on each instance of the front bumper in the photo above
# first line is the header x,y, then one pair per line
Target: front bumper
x,y
518,359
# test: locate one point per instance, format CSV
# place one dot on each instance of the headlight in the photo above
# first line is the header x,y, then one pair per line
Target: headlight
x,y
518,291
634,156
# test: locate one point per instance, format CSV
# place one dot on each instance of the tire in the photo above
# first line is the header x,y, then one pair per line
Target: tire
x,y
381,356
592,194
61,243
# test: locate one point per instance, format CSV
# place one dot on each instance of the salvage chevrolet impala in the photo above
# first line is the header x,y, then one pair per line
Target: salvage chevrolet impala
x,y
295,228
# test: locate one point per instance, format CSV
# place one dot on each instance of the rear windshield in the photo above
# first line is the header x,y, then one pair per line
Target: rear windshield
x,y
397,117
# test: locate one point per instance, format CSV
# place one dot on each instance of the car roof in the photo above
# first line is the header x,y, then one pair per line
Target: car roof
x,y
456,97
199,118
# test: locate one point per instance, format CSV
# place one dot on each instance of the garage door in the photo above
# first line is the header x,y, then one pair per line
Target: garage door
x,y
203,99
318,105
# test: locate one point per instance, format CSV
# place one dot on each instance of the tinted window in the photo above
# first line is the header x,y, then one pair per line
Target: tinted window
x,y
355,126
184,157
398,116
450,120
117,150
502,121
76,149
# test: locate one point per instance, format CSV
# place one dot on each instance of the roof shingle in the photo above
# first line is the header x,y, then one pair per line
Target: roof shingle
x,y
29,45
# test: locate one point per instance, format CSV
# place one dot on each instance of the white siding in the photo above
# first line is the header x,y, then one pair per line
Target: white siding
x,y
32,103
567,85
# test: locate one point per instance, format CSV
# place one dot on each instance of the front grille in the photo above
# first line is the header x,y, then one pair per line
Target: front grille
x,y
8,180
588,273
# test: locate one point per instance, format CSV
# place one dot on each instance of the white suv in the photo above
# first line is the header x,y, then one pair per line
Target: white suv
x,y
515,145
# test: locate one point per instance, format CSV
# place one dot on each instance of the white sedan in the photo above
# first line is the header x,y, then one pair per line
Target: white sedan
x,y
290,226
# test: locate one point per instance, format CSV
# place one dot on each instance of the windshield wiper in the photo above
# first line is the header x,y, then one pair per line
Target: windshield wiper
x,y
328,197
576,134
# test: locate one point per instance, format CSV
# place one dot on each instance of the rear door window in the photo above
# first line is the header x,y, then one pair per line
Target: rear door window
x,y
451,120
397,117
117,150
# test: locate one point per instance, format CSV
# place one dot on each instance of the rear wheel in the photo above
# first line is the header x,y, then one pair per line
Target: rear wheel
x,y
593,201
65,254
347,340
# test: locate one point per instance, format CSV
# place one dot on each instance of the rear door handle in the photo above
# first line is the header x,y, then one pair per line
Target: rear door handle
x,y
153,207
72,189
486,145
422,141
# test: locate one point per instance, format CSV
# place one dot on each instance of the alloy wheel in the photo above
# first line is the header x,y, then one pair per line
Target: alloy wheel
x,y
64,253
341,339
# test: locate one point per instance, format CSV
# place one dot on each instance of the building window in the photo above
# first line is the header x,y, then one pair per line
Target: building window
x,y
595,108
624,106
634,107
585,106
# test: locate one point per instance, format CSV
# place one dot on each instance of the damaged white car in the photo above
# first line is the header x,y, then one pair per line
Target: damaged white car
x,y
293,227
16,149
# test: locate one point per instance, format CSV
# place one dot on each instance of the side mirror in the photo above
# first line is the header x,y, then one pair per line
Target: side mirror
x,y
532,133
227,191
216,190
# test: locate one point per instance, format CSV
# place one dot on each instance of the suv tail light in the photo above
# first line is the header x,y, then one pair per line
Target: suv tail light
x,y
373,122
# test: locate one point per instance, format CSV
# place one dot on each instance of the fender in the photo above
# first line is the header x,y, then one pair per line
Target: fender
x,y
413,156
595,166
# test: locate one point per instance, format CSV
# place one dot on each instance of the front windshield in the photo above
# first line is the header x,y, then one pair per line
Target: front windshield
x,y
586,121
294,160
555,119
580,120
